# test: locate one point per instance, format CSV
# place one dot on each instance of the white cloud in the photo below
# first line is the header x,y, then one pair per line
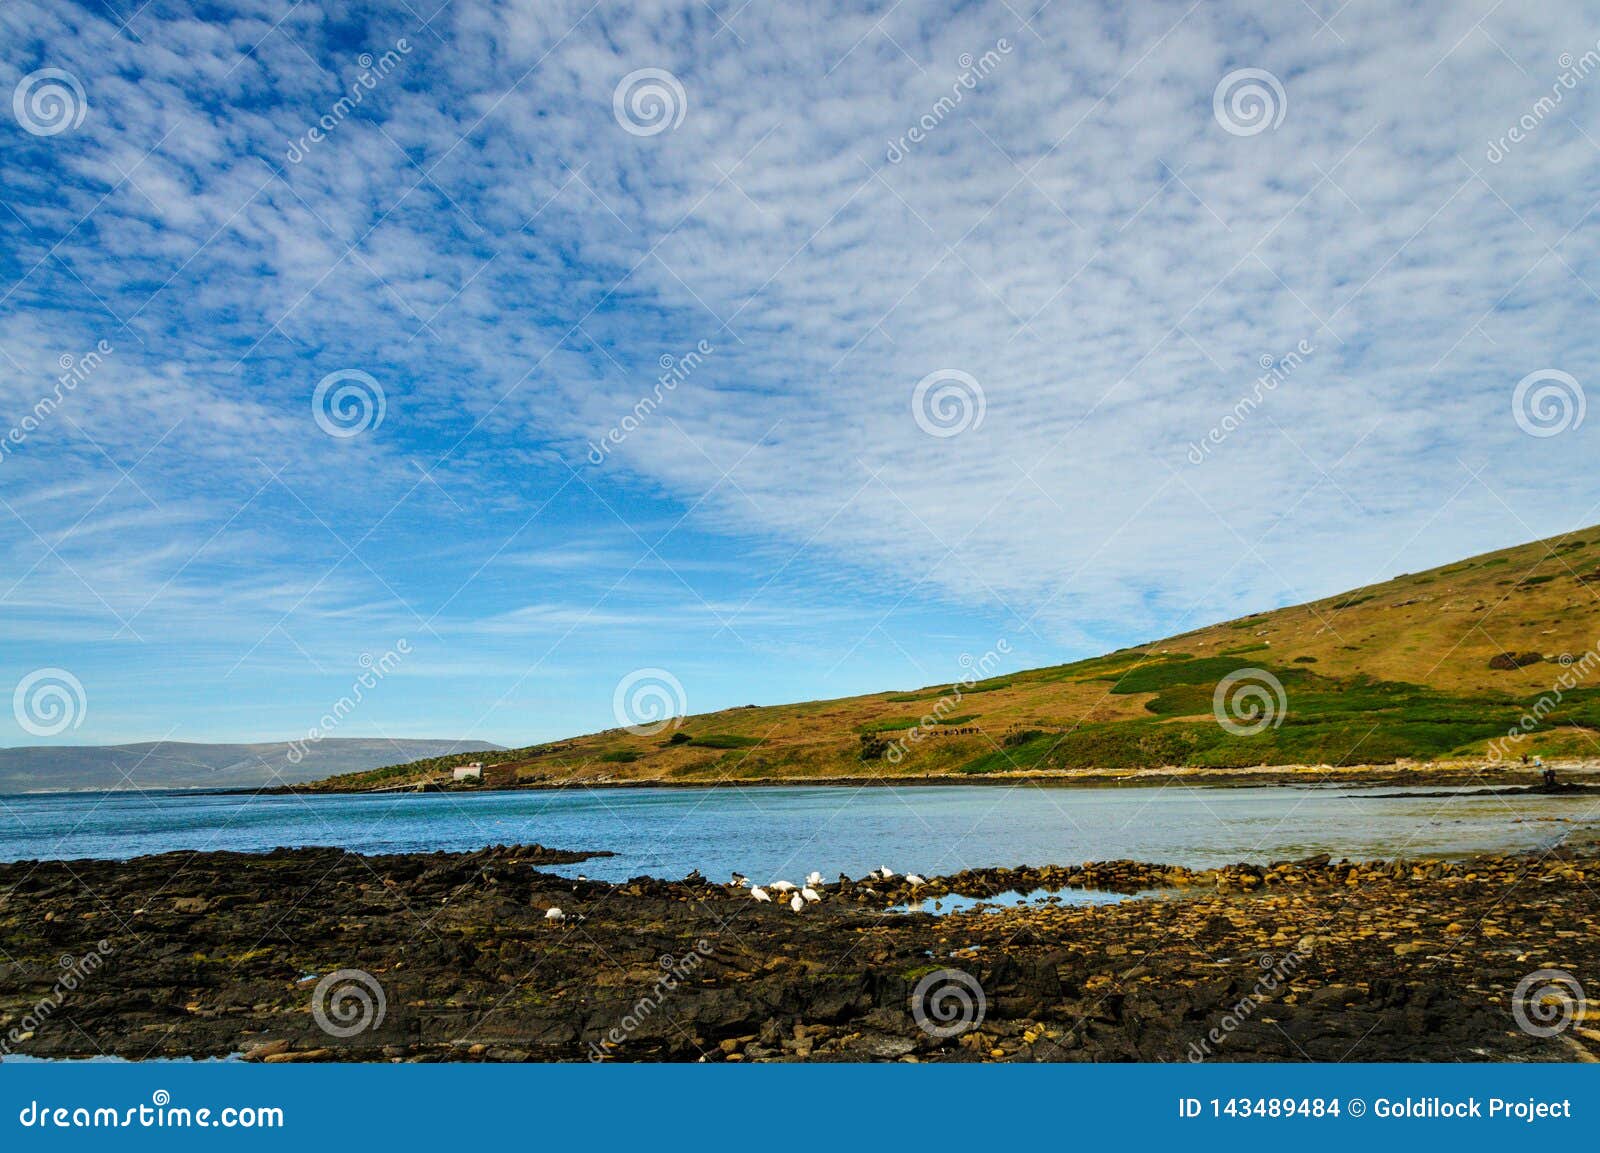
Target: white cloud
x,y
1078,233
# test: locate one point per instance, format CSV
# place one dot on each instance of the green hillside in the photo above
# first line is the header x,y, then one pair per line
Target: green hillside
x,y
1438,664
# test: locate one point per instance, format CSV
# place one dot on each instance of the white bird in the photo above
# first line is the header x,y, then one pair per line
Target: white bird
x,y
886,872
913,880
782,886
554,914
814,878
810,894
760,894
796,903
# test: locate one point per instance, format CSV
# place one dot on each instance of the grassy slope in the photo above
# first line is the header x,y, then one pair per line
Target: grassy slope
x,y
1398,669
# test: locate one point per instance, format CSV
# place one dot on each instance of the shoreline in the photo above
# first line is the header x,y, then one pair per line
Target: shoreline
x,y
217,954
1444,774
1441,774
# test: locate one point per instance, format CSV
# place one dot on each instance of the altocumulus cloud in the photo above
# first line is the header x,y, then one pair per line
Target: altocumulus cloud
x,y
484,237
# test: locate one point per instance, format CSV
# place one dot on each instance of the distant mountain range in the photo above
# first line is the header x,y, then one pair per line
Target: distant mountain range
x,y
179,765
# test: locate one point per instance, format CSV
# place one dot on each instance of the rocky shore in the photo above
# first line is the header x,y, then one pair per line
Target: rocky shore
x,y
320,954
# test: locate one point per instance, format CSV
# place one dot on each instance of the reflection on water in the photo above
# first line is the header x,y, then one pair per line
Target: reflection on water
x,y
1012,899
787,832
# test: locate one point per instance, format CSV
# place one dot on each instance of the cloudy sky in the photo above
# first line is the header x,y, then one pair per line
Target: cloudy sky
x,y
331,331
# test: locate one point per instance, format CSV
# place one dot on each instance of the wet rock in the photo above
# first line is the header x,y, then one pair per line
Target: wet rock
x,y
298,1055
1330,959
264,1050
880,1046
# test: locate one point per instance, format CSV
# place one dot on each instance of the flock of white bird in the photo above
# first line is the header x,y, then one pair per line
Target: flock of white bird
x,y
799,896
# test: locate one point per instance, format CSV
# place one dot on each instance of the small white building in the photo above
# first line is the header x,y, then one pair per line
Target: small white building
x,y
471,772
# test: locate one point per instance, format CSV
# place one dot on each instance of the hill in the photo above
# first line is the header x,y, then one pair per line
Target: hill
x,y
1437,664
179,765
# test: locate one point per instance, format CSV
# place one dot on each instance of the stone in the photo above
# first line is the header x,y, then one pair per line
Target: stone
x,y
297,1055
264,1050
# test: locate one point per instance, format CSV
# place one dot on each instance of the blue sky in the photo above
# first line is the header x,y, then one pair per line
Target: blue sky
x,y
1054,219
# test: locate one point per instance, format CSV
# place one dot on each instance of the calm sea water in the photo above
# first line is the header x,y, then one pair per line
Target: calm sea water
x,y
776,832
